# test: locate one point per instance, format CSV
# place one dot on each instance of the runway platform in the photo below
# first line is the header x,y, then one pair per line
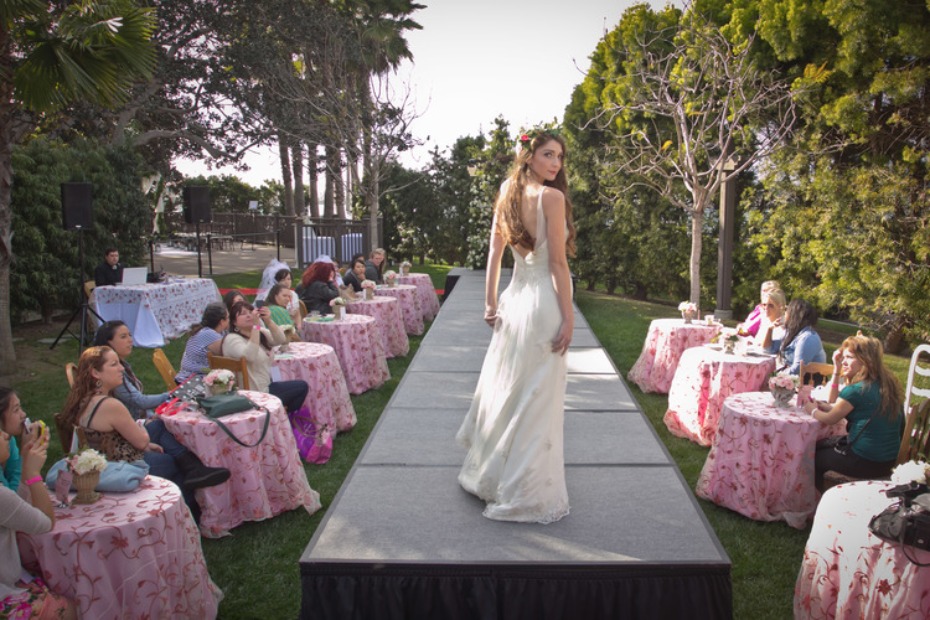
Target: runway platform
x,y
403,540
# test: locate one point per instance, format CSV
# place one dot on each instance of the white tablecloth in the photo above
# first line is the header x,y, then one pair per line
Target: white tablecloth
x,y
156,313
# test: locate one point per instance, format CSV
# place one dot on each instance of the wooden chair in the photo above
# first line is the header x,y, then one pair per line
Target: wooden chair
x,y
70,370
303,309
815,373
915,444
236,365
92,324
917,373
165,369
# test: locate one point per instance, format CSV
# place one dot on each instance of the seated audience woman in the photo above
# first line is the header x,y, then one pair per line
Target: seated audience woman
x,y
355,275
30,512
375,265
871,403
110,428
205,337
115,334
801,342
283,277
231,297
12,422
319,287
246,339
772,329
276,302
750,327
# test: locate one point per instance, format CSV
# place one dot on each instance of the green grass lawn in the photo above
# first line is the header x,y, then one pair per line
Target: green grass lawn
x,y
257,566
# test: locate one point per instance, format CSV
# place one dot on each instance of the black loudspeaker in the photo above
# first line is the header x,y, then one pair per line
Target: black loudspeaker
x,y
196,204
76,200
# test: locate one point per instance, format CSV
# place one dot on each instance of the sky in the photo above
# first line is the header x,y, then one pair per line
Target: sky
x,y
477,59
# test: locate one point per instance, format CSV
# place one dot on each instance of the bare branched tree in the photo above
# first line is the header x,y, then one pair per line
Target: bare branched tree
x,y
690,102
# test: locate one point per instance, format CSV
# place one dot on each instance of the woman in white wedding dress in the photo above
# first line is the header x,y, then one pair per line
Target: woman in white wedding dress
x,y
513,430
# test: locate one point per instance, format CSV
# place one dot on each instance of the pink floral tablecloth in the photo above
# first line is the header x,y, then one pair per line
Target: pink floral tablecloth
x,y
409,300
429,301
761,463
704,379
666,340
387,315
847,572
156,313
127,555
358,345
318,366
266,480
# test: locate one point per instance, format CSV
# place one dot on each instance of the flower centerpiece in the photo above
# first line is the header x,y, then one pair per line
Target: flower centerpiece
x,y
783,388
729,338
405,267
86,466
911,471
337,304
688,311
390,277
369,287
220,381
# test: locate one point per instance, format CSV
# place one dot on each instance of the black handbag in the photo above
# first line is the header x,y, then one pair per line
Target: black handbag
x,y
906,522
219,405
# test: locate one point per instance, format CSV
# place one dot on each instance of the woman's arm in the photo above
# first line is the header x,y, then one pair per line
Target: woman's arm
x,y
114,414
827,413
136,400
18,515
492,277
553,203
35,451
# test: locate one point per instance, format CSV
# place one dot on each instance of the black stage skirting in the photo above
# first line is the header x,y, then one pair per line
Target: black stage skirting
x,y
380,591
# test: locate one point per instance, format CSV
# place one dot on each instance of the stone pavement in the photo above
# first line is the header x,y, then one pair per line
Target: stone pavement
x,y
176,261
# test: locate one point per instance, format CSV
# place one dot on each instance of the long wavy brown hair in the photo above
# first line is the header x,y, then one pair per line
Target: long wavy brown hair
x,y
507,207
85,387
870,353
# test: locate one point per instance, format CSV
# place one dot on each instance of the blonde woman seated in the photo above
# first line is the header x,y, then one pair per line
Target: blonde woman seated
x,y
29,511
871,403
246,339
111,429
772,329
750,327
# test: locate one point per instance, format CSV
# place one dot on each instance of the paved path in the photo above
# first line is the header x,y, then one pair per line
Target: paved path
x,y
251,258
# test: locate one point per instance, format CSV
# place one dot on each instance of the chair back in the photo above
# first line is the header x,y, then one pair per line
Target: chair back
x,y
239,366
165,369
915,444
815,373
303,309
70,372
918,377
89,286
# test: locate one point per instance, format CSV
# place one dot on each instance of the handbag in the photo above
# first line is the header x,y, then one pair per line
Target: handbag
x,y
906,522
219,405
116,477
840,443
315,444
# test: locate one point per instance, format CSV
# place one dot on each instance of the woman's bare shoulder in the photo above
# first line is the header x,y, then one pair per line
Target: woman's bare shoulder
x,y
552,197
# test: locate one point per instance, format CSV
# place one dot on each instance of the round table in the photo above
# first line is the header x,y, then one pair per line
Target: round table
x,y
318,366
666,340
429,301
358,345
409,300
386,312
266,480
127,555
761,463
706,376
848,572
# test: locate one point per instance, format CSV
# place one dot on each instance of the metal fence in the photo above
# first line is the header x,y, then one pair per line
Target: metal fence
x,y
340,239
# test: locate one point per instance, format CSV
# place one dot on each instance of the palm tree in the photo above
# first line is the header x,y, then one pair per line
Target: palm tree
x,y
52,54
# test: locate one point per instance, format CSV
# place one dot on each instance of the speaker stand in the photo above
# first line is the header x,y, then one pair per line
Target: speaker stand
x,y
199,260
83,309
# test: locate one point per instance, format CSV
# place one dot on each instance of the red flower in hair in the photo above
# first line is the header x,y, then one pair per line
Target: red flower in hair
x,y
524,138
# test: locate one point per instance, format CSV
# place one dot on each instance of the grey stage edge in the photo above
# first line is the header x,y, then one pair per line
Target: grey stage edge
x,y
403,540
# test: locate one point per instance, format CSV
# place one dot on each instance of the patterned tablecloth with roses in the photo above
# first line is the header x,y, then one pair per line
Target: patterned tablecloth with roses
x,y
386,312
328,397
409,300
666,340
429,301
127,555
761,463
704,379
156,313
848,572
359,346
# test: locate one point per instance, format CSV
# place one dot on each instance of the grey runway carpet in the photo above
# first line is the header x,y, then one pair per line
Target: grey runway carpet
x,y
403,540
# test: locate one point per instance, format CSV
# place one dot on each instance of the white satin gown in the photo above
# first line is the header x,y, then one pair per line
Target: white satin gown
x,y
514,428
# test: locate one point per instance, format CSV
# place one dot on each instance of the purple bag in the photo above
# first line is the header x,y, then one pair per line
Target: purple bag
x,y
315,445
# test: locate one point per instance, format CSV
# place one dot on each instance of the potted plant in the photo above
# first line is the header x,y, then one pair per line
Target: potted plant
x,y
405,268
337,304
688,311
390,278
783,388
86,466
369,287
220,381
